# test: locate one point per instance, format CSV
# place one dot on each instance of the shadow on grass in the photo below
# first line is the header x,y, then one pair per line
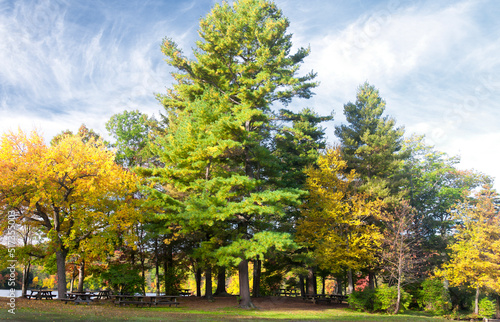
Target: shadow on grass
x,y
55,311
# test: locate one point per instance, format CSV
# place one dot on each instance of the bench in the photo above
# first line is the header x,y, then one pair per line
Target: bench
x,y
339,298
317,298
287,292
40,294
170,303
66,300
137,303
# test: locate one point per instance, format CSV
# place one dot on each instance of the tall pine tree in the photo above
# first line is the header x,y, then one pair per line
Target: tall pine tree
x,y
219,119
371,143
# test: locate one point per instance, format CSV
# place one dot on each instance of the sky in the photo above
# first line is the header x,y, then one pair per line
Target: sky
x,y
435,63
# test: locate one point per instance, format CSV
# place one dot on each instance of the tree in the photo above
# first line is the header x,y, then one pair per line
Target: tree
x,y
72,190
434,185
371,143
299,146
242,64
335,217
25,237
84,133
132,132
475,259
399,256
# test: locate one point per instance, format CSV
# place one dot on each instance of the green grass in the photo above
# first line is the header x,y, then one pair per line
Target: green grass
x,y
55,311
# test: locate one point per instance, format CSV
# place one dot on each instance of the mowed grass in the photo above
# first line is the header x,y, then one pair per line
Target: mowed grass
x,y
31,310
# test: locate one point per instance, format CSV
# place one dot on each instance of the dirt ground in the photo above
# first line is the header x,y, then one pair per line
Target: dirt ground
x,y
198,303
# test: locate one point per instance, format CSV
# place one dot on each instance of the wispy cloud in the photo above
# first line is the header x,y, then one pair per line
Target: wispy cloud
x,y
435,63
63,63
62,58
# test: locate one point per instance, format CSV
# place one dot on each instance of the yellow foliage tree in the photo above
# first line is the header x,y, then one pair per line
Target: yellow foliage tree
x,y
475,254
73,190
335,218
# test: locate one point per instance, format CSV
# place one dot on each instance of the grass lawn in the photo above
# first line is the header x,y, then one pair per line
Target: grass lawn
x,y
196,309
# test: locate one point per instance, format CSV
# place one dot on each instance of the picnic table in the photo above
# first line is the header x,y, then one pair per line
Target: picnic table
x,y
40,294
103,294
287,292
78,297
130,299
163,300
184,292
328,298
143,300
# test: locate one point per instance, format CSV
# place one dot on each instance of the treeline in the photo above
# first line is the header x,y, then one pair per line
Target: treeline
x,y
225,178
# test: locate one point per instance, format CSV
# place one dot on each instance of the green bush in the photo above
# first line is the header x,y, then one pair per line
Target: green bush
x,y
382,298
123,278
362,300
434,297
386,297
487,308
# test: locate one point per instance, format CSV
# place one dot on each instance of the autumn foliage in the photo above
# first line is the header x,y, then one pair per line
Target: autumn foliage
x,y
71,190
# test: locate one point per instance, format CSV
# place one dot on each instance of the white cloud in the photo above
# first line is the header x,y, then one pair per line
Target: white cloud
x,y
436,65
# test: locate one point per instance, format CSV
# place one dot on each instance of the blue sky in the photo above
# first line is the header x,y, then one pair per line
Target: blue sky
x,y
436,63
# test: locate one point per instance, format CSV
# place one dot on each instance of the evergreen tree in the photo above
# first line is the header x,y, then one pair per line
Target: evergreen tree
x,y
371,143
219,115
298,146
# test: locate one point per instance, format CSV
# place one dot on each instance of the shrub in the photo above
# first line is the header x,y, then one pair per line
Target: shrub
x,y
487,308
123,278
382,298
434,297
362,300
386,297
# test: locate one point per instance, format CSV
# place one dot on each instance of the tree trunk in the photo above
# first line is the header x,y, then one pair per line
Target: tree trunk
x,y
26,272
311,281
245,300
81,276
221,281
143,274
157,268
302,286
257,267
339,286
72,282
315,281
371,279
350,286
498,306
61,272
168,268
476,301
197,277
323,279
208,283
398,300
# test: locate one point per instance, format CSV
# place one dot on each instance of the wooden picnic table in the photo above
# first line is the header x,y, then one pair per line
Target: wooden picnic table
x,y
287,292
103,294
130,299
339,298
40,294
328,298
163,300
78,297
143,300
